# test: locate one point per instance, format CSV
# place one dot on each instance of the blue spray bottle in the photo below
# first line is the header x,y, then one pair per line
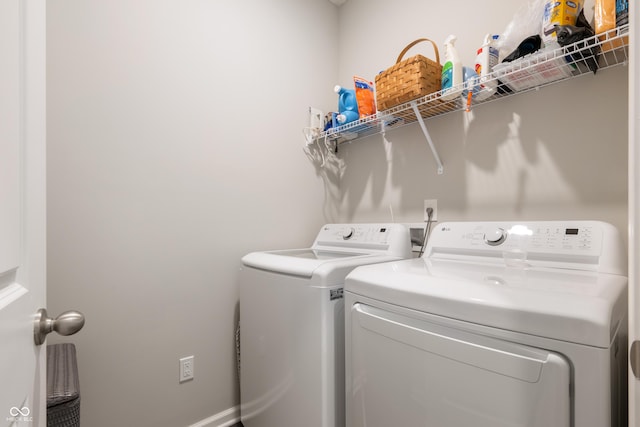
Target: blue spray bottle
x,y
347,105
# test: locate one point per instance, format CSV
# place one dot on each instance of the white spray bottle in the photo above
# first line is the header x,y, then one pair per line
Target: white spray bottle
x,y
451,70
487,58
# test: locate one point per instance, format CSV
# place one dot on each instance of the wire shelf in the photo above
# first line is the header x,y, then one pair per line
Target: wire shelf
x,y
531,72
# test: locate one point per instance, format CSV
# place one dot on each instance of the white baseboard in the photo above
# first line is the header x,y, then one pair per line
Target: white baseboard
x,y
226,418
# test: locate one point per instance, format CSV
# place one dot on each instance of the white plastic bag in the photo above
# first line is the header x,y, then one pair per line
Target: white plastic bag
x,y
526,22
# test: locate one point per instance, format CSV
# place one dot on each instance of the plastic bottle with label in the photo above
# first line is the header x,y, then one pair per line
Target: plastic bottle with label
x,y
471,87
622,12
487,57
347,105
451,70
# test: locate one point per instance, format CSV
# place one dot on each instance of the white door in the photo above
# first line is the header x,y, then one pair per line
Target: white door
x,y
634,216
22,210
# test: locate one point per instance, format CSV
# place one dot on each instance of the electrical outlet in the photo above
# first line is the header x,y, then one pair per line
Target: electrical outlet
x,y
186,369
433,204
315,118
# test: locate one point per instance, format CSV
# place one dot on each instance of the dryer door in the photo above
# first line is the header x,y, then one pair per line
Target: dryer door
x,y
406,371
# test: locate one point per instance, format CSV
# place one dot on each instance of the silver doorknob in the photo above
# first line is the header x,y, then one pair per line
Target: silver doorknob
x,y
68,323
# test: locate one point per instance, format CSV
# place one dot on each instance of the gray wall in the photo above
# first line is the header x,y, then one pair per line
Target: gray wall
x,y
174,148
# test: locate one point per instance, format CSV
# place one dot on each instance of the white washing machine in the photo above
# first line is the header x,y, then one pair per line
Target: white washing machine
x,y
292,324
498,324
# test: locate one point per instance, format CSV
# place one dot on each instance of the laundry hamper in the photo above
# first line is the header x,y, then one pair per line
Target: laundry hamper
x,y
63,386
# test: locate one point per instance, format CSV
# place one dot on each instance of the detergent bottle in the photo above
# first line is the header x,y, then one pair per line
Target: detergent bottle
x,y
451,70
487,57
347,105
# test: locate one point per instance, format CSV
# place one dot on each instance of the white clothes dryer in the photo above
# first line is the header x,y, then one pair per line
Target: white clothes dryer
x,y
498,324
292,324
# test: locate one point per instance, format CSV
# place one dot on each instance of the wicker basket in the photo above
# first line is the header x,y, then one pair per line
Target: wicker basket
x,y
410,79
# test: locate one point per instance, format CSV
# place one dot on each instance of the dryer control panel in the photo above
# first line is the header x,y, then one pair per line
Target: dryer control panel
x,y
589,245
545,237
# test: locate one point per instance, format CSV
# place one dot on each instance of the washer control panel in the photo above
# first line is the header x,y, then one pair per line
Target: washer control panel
x,y
391,239
354,233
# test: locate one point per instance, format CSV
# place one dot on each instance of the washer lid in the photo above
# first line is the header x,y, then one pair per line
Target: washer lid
x,y
337,249
298,262
321,268
575,306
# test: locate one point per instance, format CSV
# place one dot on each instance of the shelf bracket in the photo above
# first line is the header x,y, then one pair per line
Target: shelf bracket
x,y
414,106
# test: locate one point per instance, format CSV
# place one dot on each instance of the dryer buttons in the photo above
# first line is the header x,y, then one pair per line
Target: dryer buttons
x,y
495,237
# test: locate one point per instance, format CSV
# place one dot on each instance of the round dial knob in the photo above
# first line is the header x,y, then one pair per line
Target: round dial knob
x,y
348,233
495,237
